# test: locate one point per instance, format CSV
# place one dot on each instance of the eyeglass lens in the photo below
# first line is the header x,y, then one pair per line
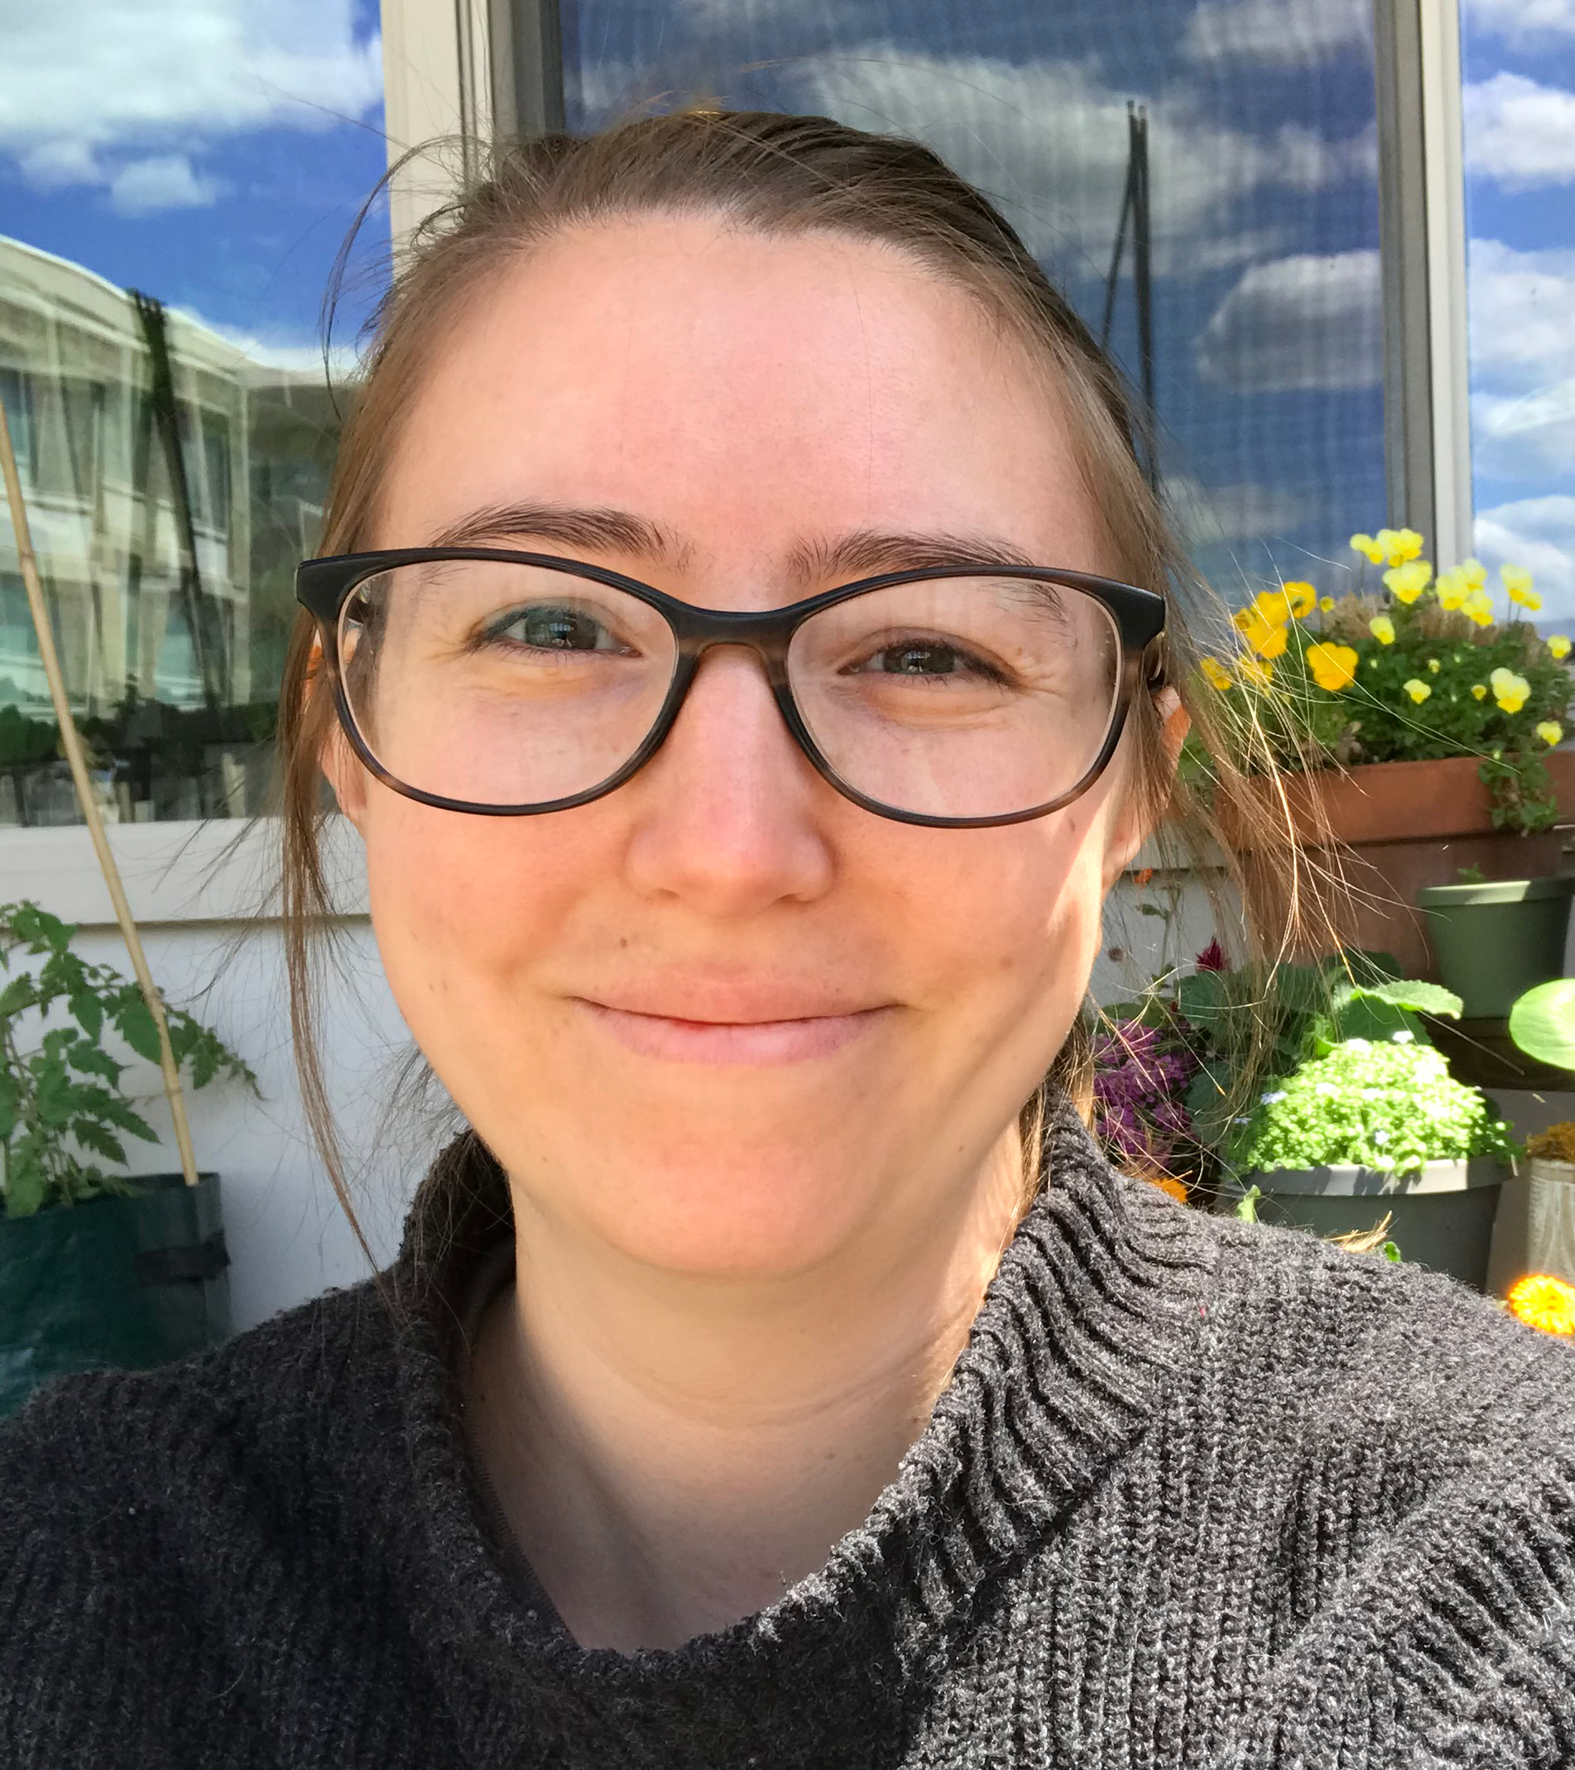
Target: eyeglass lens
x,y
509,684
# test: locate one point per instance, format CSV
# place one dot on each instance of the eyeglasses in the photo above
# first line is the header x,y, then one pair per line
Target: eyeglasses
x,y
507,683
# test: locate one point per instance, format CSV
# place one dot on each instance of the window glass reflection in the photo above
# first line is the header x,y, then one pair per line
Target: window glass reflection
x,y
176,178
1519,67
1262,149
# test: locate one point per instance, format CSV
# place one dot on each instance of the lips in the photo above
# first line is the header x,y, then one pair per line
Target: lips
x,y
744,1034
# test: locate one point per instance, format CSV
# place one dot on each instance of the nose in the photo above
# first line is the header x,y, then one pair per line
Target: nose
x,y
730,814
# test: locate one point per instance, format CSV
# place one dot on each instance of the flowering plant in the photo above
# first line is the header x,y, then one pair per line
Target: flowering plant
x,y
1389,1105
1141,1073
1543,1302
1409,668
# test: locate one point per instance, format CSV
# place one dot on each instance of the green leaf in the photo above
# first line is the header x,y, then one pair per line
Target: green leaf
x,y
1542,1023
92,1135
25,1185
117,1112
1391,1253
1247,1205
205,1059
88,1012
90,1059
18,994
137,1027
1413,993
52,1094
10,1097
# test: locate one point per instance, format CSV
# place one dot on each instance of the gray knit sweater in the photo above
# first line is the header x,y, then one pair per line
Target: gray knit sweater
x,y
1196,1494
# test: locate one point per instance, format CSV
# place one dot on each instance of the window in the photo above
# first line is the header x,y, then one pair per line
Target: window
x,y
176,179
1519,68
1255,121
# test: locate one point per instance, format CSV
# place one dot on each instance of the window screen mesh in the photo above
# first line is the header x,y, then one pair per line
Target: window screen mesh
x,y
1262,174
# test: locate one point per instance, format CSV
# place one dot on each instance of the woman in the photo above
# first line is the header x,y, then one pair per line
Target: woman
x,y
751,667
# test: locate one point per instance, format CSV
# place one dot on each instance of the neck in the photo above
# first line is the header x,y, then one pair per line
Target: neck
x,y
672,1454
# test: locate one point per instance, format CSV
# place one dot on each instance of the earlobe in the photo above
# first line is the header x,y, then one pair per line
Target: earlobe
x,y
1131,830
345,776
1174,723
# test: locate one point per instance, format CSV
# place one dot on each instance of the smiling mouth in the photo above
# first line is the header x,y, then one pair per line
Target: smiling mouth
x,y
675,1039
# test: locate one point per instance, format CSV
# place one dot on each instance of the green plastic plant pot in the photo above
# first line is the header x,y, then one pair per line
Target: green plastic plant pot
x,y
114,1282
1496,940
1442,1213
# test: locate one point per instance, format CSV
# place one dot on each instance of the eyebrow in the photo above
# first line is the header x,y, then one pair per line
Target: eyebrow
x,y
860,553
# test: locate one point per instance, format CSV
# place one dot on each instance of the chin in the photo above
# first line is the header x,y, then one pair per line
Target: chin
x,y
704,1194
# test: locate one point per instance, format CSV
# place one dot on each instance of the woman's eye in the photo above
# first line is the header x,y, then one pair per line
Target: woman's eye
x,y
925,658
553,629
919,660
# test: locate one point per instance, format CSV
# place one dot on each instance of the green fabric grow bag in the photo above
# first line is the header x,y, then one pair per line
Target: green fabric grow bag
x,y
123,1282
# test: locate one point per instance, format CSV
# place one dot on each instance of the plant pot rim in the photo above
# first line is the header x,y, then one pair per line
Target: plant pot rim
x,y
166,1180
1494,891
1545,1167
1346,1179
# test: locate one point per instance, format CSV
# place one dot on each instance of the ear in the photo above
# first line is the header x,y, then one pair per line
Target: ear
x,y
340,765
1130,827
343,771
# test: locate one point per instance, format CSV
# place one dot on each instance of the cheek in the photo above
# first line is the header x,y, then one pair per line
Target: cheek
x,y
461,908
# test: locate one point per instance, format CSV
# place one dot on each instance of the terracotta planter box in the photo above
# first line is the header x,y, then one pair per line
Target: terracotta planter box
x,y
1407,825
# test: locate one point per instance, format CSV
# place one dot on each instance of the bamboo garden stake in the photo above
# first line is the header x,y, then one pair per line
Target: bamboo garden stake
x,y
72,744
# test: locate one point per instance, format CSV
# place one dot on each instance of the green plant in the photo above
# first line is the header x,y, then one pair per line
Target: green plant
x,y
1248,1024
1389,1105
1542,1023
62,1102
1411,669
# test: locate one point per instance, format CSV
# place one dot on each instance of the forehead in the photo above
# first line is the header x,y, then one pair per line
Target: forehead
x,y
748,392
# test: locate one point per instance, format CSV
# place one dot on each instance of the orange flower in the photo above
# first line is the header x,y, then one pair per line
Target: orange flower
x,y
1544,1302
1166,1183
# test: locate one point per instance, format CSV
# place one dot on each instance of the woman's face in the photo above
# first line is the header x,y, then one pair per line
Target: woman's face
x,y
723,1019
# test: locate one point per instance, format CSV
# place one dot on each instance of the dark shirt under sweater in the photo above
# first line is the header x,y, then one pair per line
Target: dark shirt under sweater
x,y
1197,1493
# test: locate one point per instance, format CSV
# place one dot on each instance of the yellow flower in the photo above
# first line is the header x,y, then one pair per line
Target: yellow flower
x,y
1479,607
1474,572
1543,1302
1409,581
1478,691
1257,673
1382,629
1418,690
1550,731
1266,638
1333,666
1369,547
1301,597
1274,606
1559,645
1453,588
1432,664
1326,603
1509,690
1518,581
1215,672
1404,544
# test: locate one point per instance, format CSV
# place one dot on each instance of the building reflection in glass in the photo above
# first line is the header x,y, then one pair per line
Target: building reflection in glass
x,y
172,482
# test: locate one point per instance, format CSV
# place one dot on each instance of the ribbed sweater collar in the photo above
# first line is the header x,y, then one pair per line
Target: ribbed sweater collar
x,y
1088,1321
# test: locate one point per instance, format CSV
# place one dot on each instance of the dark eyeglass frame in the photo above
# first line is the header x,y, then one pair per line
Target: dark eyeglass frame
x,y
323,586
